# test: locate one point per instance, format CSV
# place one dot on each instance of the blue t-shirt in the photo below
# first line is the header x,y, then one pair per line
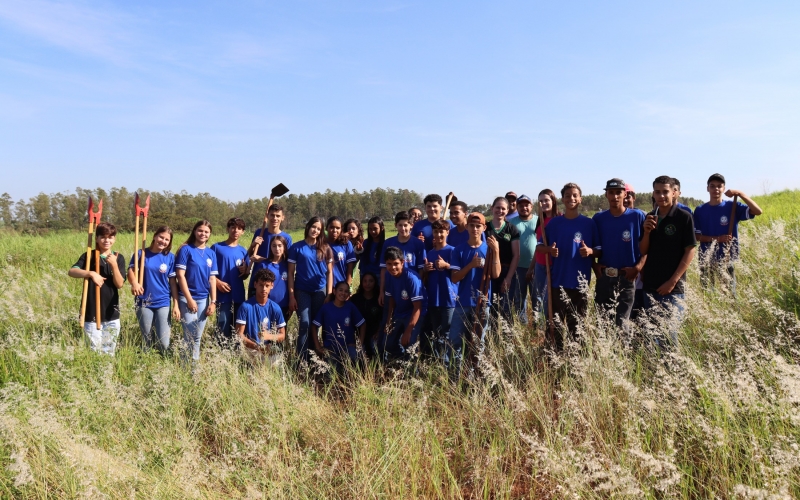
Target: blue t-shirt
x,y
343,254
413,250
257,318
280,290
456,239
200,265
405,289
371,258
424,228
619,237
263,249
158,269
338,324
567,234
310,274
684,207
713,220
441,290
470,285
228,259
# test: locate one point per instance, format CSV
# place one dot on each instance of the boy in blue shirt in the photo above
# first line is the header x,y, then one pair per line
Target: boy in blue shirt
x,y
260,326
618,259
718,251
412,249
422,228
233,265
274,219
406,296
466,271
440,289
339,319
573,240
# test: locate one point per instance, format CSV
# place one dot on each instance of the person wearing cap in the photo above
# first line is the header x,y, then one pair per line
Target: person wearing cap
x,y
718,251
507,238
526,225
467,265
668,241
573,241
619,261
511,198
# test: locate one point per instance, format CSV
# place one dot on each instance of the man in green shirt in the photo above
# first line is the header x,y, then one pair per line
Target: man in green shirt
x,y
525,223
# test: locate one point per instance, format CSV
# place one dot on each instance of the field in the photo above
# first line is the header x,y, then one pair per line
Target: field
x,y
719,417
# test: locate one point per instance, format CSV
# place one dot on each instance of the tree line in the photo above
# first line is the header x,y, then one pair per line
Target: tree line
x,y
68,211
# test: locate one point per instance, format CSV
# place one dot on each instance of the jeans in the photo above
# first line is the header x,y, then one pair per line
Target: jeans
x,y
193,325
673,305
461,330
150,319
226,318
340,357
522,289
389,344
308,305
437,330
615,294
502,303
539,293
103,340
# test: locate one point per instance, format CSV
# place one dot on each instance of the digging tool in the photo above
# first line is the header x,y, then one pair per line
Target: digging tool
x,y
138,266
277,191
733,215
549,284
94,219
450,198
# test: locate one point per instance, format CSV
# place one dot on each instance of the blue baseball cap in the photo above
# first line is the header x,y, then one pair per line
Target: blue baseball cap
x,y
525,197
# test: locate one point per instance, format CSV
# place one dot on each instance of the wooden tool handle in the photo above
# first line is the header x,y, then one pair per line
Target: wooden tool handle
x,y
85,294
733,215
98,319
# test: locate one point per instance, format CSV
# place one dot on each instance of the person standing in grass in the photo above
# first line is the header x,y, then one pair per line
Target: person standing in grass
x,y
676,184
507,237
366,300
638,297
370,261
422,228
278,264
234,267
413,249
355,234
275,217
668,241
406,305
153,294
511,198
310,280
414,214
110,279
525,222
260,326
537,271
338,320
440,290
344,257
619,261
718,250
196,269
573,241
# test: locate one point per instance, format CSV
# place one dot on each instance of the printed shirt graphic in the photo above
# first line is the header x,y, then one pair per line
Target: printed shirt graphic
x,y
158,269
263,249
567,234
710,220
200,265
228,258
470,285
343,254
413,252
424,228
338,324
310,274
619,237
405,289
441,290
257,318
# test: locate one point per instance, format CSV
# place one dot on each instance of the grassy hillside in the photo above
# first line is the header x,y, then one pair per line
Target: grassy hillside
x,y
719,417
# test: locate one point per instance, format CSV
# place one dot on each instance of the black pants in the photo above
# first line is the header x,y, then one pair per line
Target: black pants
x,y
570,310
615,294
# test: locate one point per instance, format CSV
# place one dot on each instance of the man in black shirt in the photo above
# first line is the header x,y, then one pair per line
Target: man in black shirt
x,y
668,241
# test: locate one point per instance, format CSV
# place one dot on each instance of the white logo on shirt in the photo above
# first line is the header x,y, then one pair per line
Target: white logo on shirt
x,y
209,262
409,258
238,262
284,276
347,321
265,324
483,262
578,237
626,236
723,221
340,256
404,295
162,268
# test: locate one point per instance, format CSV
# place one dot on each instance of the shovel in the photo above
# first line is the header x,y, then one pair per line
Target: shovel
x,y
94,220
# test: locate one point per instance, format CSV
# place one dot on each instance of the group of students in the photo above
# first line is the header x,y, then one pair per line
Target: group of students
x,y
425,286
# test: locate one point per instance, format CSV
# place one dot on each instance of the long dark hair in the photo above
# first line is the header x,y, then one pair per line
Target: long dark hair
x,y
342,239
323,249
375,291
164,229
270,256
553,211
359,239
368,243
192,240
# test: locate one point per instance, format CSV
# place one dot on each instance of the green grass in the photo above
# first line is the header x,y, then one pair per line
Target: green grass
x,y
718,418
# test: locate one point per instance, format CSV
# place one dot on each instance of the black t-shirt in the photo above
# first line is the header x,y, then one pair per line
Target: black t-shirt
x,y
505,235
668,242
371,310
109,294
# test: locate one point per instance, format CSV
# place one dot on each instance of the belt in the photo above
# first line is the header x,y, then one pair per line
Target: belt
x,y
611,272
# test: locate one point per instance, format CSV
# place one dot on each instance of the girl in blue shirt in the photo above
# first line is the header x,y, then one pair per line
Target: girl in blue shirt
x,y
277,263
153,294
196,268
370,261
310,279
344,257
341,323
355,233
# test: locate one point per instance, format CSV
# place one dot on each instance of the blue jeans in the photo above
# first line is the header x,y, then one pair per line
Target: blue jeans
x,y
461,330
154,317
521,291
673,305
437,329
539,292
226,318
390,346
308,305
193,326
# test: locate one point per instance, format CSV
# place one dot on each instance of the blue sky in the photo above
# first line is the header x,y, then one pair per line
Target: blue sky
x,y
471,97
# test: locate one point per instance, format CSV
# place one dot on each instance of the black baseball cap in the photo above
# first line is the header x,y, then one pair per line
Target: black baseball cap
x,y
615,183
716,177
